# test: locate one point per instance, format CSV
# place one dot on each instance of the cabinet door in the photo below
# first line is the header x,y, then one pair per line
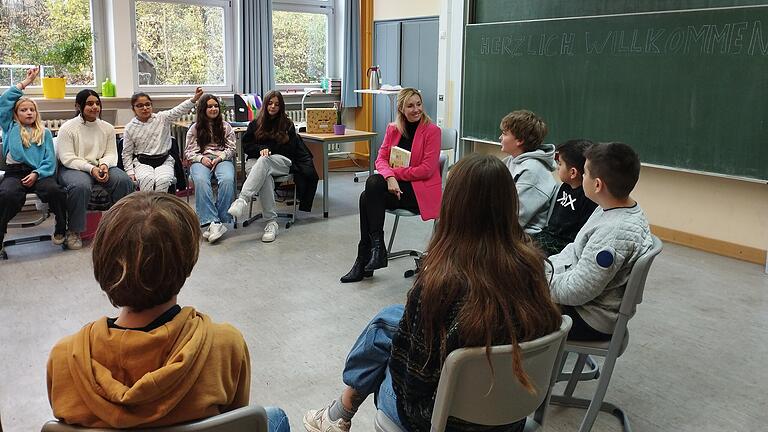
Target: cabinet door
x,y
386,53
418,60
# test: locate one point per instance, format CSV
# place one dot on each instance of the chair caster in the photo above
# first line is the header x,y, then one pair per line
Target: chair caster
x,y
409,273
356,180
288,224
4,255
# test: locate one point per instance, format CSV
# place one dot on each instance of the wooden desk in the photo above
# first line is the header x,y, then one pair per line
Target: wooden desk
x,y
325,139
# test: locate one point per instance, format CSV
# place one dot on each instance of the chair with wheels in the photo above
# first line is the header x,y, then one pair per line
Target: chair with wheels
x,y
282,184
249,418
469,390
609,350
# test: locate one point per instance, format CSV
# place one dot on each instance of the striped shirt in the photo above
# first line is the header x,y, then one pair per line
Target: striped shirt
x,y
152,137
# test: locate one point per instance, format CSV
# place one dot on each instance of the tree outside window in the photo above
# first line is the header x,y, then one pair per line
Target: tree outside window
x,y
55,34
300,46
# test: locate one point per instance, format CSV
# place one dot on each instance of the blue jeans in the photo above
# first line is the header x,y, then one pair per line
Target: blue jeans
x,y
367,366
277,420
207,211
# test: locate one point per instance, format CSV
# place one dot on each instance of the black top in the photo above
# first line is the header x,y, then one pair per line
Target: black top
x,y
570,213
406,142
162,320
253,148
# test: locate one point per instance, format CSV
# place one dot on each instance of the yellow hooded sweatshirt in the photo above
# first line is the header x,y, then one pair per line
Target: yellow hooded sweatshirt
x,y
187,369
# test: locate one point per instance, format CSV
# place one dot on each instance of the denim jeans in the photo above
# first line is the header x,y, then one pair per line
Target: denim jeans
x,y
277,420
207,211
78,185
367,366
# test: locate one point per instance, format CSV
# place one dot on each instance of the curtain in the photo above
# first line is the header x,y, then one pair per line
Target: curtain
x,y
351,78
257,64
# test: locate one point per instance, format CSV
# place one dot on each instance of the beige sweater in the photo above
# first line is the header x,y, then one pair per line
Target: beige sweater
x,y
82,145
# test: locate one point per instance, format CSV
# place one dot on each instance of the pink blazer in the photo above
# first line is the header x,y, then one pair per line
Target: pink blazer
x,y
424,169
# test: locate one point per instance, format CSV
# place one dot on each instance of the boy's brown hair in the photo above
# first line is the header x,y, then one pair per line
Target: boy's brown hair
x,y
145,248
527,127
617,165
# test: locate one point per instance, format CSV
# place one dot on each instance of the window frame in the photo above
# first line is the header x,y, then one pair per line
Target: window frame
x,y
98,52
230,28
326,7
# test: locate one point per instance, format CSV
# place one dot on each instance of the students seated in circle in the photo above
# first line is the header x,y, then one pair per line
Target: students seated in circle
x,y
482,284
147,142
87,150
416,187
211,149
156,363
274,149
30,160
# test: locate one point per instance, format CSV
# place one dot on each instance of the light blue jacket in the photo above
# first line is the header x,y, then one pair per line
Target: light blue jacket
x,y
42,158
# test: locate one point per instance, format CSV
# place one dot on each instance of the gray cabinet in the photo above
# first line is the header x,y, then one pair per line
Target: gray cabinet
x,y
406,50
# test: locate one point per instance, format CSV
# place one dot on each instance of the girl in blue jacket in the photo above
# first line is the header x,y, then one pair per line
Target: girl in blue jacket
x,y
30,159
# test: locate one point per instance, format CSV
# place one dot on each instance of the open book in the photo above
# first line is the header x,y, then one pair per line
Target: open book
x,y
399,158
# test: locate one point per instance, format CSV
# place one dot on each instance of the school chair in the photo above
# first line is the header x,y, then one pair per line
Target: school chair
x,y
249,418
448,139
282,183
471,391
609,350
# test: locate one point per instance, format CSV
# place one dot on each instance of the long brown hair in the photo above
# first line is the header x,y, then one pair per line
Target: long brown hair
x,y
480,256
273,127
209,130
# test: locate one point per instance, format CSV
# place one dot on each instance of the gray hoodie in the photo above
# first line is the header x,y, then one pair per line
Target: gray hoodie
x,y
535,184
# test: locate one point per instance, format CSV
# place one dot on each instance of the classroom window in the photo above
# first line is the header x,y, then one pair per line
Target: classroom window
x,y
183,44
302,50
55,34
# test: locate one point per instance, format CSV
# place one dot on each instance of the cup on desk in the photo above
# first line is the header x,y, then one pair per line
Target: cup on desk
x,y
339,129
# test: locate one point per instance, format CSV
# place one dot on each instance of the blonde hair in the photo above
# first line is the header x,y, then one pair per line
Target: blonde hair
x,y
37,129
402,98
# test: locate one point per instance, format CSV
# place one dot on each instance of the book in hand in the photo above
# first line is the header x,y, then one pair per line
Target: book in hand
x,y
399,158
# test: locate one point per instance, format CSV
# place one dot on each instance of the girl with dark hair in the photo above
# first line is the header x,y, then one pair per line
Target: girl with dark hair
x,y
87,150
211,149
417,187
274,149
482,284
147,142
30,160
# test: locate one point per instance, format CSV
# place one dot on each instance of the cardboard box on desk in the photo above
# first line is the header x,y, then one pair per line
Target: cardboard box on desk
x,y
320,120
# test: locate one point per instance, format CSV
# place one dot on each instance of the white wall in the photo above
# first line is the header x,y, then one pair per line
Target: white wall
x,y
400,9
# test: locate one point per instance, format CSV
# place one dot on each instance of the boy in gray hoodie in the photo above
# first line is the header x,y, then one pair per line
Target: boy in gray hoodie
x,y
531,163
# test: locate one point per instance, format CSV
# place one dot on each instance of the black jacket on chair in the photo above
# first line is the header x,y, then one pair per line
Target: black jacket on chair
x,y
302,166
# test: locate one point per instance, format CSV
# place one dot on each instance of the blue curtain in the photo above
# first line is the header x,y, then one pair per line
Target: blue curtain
x,y
257,63
351,78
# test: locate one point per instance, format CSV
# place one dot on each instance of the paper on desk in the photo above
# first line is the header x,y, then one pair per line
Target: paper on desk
x,y
390,87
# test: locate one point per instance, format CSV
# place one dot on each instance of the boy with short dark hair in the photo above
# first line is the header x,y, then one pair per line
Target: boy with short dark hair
x,y
531,163
590,274
571,208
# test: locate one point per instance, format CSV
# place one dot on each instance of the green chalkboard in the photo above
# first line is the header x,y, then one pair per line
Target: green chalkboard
x,y
687,89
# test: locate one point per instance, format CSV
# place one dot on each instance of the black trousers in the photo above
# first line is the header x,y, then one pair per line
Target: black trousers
x,y
581,331
13,194
376,199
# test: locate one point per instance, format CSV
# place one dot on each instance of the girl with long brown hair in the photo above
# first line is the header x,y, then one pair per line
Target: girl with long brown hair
x,y
211,149
274,149
482,284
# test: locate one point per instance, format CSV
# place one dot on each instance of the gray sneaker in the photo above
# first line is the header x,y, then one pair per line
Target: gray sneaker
x,y
270,232
73,240
238,209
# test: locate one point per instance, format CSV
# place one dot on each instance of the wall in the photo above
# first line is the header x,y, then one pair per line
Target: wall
x,y
399,9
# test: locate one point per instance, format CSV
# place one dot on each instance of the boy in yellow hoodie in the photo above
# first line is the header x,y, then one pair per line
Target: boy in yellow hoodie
x,y
156,363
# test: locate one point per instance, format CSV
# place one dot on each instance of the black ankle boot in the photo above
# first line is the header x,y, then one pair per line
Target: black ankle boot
x,y
378,252
357,273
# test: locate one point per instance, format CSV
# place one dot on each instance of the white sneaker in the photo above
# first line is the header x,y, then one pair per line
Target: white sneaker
x,y
207,232
238,209
270,232
318,421
215,231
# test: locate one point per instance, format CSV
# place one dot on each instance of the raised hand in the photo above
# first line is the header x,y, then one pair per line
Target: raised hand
x,y
198,94
30,78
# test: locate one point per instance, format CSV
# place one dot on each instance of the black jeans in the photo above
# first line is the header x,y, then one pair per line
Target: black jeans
x,y
13,194
580,330
375,199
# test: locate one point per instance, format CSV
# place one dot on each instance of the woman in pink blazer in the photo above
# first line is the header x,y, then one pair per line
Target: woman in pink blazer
x,y
417,187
